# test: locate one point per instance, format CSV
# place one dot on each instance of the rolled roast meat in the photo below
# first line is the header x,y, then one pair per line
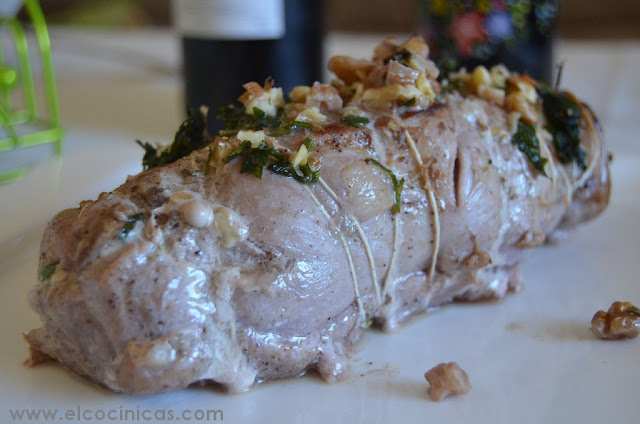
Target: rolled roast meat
x,y
268,249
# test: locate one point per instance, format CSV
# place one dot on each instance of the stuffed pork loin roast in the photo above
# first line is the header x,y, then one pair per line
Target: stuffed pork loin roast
x,y
266,251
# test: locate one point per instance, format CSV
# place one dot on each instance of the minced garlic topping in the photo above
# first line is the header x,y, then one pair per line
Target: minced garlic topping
x,y
255,137
301,157
516,93
268,99
311,114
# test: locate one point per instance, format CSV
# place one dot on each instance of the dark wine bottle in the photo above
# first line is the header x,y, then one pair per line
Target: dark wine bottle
x,y
516,33
226,43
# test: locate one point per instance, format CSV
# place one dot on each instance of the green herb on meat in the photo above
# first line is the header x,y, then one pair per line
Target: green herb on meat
x,y
303,173
403,56
564,117
287,126
48,271
305,176
354,120
189,137
254,159
527,142
397,185
410,102
258,113
128,226
235,119
308,143
634,310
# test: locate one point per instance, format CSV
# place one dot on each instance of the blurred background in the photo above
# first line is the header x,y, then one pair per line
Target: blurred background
x,y
588,19
121,70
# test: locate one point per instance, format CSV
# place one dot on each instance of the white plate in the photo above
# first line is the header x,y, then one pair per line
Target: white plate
x,y
530,357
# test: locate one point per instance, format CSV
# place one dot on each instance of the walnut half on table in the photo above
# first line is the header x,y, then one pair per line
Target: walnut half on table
x,y
621,321
447,379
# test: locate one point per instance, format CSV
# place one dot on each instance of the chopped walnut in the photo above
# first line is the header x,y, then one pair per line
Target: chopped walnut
x,y
447,379
299,93
350,70
480,77
491,94
311,114
621,321
384,49
521,96
398,75
517,102
324,97
416,45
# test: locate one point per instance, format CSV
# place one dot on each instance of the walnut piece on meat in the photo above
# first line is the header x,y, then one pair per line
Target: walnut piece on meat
x,y
447,379
621,321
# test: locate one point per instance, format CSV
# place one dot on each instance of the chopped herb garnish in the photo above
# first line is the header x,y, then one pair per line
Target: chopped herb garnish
x,y
128,226
287,126
527,142
634,310
303,173
410,102
564,116
354,120
254,159
308,142
235,120
306,175
397,185
403,56
258,113
48,270
189,137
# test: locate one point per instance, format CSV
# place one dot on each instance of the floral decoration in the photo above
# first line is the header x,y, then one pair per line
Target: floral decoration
x,y
460,31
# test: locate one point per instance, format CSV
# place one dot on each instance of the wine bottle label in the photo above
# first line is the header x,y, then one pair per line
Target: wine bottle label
x,y
230,19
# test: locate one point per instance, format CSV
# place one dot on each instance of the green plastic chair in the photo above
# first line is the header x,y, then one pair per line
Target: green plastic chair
x,y
34,127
